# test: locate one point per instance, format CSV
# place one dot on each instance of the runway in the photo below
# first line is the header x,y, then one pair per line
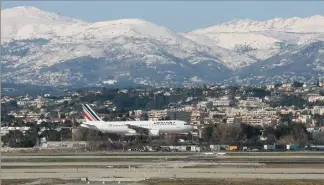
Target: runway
x,y
167,164
92,157
135,174
127,167
164,156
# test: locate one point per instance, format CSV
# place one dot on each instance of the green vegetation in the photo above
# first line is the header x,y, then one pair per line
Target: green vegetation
x,y
16,138
248,135
298,102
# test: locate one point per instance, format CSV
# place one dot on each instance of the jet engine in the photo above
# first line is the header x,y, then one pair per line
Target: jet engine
x,y
154,132
131,132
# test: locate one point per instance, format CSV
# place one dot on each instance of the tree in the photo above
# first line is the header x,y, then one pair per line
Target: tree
x,y
290,100
42,116
321,93
286,118
318,118
46,125
30,139
68,123
207,133
65,133
300,134
62,116
145,116
17,138
79,134
294,133
106,118
13,138
51,135
228,134
271,139
297,84
278,85
258,92
318,138
287,139
65,103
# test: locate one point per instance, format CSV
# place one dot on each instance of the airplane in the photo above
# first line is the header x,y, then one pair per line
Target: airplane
x,y
150,128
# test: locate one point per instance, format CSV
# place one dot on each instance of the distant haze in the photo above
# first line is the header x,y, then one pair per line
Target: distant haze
x,y
178,16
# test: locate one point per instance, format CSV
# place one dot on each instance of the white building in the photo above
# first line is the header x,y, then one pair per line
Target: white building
x,y
6,130
317,110
155,115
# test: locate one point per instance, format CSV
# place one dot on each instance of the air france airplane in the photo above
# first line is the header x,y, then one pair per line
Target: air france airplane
x,y
151,128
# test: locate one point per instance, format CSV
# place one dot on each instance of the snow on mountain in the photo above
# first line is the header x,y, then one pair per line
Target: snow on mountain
x,y
263,39
230,58
305,62
46,48
295,24
51,51
85,38
27,21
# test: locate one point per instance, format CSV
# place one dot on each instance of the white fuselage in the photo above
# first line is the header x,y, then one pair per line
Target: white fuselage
x,y
121,127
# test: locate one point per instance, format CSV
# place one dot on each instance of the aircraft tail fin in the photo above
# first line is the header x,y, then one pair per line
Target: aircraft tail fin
x,y
89,114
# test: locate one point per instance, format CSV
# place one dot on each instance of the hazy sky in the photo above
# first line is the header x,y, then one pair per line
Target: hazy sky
x,y
180,16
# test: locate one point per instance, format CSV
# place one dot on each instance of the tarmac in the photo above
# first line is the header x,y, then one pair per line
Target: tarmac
x,y
138,171
165,156
138,174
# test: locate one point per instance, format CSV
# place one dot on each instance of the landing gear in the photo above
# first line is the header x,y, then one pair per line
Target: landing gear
x,y
122,141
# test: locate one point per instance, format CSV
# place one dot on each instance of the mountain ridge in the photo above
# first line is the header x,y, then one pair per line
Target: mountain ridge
x,y
275,24
128,49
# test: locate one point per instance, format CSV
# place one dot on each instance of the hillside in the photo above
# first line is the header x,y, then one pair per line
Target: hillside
x,y
46,48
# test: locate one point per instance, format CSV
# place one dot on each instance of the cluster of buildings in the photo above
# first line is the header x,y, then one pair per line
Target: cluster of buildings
x,y
253,111
240,107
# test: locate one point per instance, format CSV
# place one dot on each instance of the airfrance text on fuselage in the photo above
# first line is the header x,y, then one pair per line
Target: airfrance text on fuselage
x,y
165,122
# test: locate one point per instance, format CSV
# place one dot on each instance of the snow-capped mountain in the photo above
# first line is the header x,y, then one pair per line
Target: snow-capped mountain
x,y
295,24
263,39
306,62
27,22
46,48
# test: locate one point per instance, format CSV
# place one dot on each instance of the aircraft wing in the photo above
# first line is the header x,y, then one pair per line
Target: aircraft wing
x,y
138,129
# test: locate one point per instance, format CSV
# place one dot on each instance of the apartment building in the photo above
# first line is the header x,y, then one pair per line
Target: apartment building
x,y
259,121
38,102
259,113
315,97
196,117
317,110
155,115
245,112
179,115
234,120
252,102
218,102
